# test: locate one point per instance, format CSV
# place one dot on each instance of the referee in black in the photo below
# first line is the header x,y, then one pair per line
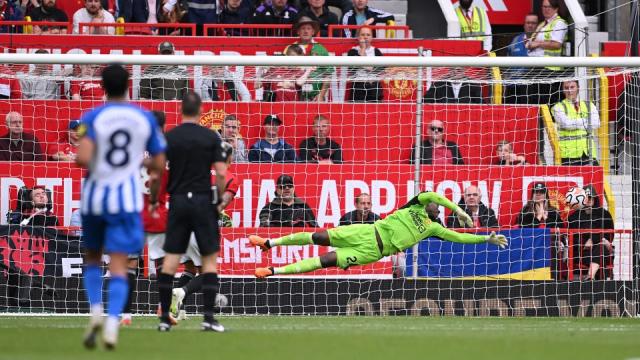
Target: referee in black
x,y
191,151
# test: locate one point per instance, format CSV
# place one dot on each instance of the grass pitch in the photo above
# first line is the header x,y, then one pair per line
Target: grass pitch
x,y
331,338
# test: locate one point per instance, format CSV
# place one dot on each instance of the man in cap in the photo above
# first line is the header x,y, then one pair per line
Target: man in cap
x,y
286,210
315,88
67,148
538,212
272,148
164,82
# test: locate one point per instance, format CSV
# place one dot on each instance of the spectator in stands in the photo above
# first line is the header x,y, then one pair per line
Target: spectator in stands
x,y
10,11
231,134
316,88
47,12
39,213
592,249
435,149
518,46
177,15
9,83
472,204
538,212
474,23
222,83
18,145
39,82
454,88
279,12
362,14
67,148
93,13
199,12
343,5
362,214
367,90
319,12
548,40
284,83
139,11
87,86
576,121
506,155
272,148
320,148
286,210
234,13
164,82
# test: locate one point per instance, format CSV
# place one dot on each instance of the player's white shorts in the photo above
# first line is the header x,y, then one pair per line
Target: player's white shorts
x,y
193,252
155,243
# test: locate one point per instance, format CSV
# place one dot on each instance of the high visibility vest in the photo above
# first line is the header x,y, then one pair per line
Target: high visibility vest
x,y
547,30
474,30
574,143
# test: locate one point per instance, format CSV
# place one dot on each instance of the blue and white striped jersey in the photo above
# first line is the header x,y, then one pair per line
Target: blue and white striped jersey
x,y
121,133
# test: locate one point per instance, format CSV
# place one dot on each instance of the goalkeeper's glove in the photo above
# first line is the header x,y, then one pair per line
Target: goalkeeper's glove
x,y
464,218
499,240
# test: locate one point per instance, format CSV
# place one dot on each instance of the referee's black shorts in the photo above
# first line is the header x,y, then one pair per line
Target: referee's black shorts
x,y
192,213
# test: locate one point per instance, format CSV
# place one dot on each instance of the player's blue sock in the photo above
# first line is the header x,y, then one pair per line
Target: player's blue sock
x,y
118,293
93,284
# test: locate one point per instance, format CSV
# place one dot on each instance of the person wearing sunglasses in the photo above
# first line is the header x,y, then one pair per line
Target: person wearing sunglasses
x,y
471,203
286,210
435,150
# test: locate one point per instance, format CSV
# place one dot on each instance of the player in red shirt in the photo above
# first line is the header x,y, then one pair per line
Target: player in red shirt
x,y
155,224
189,283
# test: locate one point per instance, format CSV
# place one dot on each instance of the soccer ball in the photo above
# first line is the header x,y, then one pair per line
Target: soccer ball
x,y
575,197
221,301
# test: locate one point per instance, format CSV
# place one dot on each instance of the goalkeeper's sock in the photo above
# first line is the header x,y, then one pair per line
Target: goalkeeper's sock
x,y
301,238
118,293
131,276
209,290
165,285
92,276
185,279
193,286
301,266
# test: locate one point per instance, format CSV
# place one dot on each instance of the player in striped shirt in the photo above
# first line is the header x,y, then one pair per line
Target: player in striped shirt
x,y
114,139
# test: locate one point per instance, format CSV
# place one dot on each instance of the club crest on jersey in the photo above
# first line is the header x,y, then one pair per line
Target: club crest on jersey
x,y
82,130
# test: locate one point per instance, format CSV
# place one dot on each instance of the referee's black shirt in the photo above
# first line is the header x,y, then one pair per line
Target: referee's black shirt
x,y
191,151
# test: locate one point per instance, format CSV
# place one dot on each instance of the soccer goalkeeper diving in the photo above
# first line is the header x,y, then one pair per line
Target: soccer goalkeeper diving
x,y
362,244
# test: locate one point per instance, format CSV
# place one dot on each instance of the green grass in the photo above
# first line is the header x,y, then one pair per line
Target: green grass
x,y
333,338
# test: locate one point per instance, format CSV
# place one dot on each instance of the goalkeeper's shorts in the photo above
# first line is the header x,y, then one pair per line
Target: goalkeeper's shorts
x,y
355,244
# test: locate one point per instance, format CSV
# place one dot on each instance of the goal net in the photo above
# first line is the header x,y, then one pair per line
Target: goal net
x,y
353,143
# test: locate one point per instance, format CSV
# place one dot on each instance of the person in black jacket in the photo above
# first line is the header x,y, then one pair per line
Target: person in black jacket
x,y
538,212
318,11
234,13
361,10
435,150
593,250
286,210
362,214
279,12
482,215
38,213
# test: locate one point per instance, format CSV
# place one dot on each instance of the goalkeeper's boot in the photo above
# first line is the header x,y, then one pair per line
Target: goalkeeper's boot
x,y
172,320
125,320
212,325
262,273
93,328
110,333
259,242
177,296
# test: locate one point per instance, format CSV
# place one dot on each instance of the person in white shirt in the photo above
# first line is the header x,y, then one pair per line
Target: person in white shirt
x,y
550,34
93,13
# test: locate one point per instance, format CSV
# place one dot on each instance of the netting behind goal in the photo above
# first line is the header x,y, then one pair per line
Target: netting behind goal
x,y
501,142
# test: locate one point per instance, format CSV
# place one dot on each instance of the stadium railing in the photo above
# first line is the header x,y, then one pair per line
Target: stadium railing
x,y
257,30
138,28
381,31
